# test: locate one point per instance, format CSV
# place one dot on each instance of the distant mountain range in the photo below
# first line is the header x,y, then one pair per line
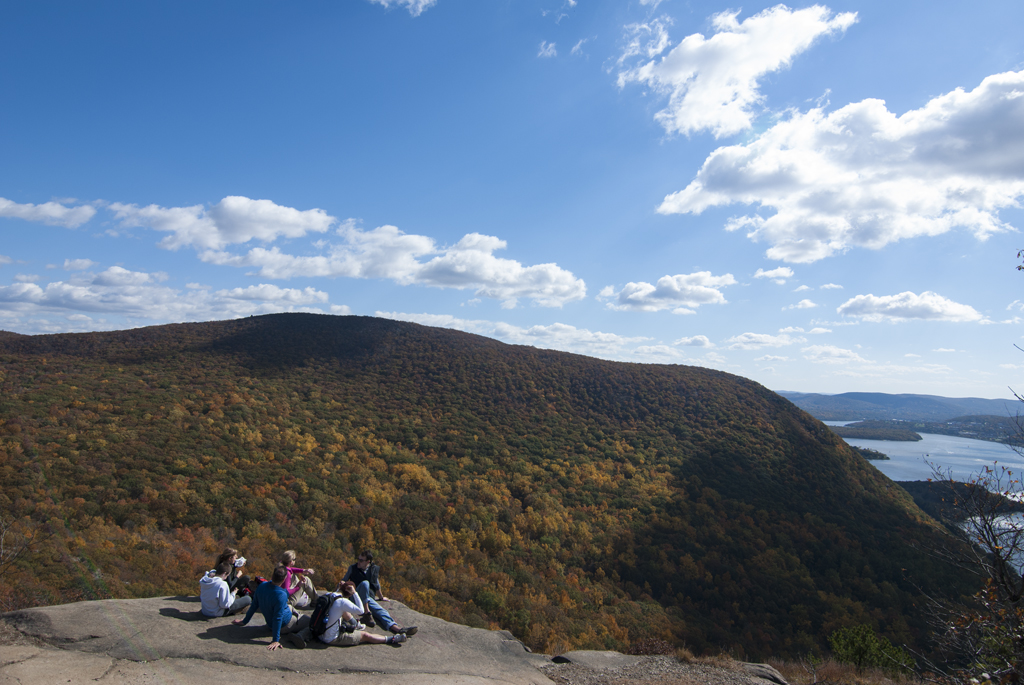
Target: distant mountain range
x,y
853,406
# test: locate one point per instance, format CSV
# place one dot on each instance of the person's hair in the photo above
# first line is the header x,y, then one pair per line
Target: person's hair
x,y
347,588
225,555
223,568
288,557
280,573
368,554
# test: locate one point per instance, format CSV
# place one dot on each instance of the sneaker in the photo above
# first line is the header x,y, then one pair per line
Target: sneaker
x,y
410,631
397,640
367,618
294,639
399,630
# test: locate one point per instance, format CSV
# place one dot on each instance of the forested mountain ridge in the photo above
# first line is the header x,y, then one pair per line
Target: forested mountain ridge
x,y
574,501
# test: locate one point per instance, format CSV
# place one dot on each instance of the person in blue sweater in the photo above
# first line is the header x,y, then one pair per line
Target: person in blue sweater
x,y
272,599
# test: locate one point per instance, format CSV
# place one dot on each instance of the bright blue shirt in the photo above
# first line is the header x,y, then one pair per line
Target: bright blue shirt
x,y
272,600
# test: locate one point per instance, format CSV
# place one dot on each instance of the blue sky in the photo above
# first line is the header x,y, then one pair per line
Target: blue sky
x,y
824,198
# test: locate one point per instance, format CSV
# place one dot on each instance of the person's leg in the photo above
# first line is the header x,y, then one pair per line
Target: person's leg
x,y
239,604
294,629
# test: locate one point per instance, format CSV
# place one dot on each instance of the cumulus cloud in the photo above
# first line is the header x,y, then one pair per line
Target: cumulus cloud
x,y
778,276
830,354
801,289
907,305
802,304
78,264
547,50
695,341
756,341
50,213
415,7
831,286
233,220
137,297
713,83
384,252
864,177
819,331
681,293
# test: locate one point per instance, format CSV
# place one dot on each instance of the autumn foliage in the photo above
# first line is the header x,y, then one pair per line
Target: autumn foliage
x,y
578,503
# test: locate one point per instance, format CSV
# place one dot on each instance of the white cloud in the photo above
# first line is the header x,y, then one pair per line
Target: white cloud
x,y
907,305
26,278
578,48
341,310
415,7
653,4
713,84
384,252
681,293
233,220
830,354
648,39
547,50
139,297
911,355
5,260
831,286
802,304
50,213
944,349
863,177
78,264
695,341
778,276
819,331
755,341
802,289
791,329
771,358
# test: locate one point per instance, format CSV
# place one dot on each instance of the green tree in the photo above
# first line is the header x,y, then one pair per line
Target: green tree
x,y
860,646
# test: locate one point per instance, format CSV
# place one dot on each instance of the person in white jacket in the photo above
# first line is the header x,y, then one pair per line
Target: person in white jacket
x,y
216,597
342,626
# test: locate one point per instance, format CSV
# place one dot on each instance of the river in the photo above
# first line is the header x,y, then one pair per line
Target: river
x,y
962,457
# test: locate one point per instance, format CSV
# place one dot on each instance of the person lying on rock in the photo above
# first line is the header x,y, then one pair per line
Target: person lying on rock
x,y
216,596
365,575
342,628
301,592
272,599
237,581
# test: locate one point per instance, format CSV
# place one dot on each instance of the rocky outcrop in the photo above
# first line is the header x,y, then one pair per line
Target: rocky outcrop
x,y
166,639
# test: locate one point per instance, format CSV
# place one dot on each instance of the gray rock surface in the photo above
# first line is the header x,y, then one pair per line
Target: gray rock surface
x,y
165,639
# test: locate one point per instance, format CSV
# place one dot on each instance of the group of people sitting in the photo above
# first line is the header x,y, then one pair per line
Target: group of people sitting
x,y
341,619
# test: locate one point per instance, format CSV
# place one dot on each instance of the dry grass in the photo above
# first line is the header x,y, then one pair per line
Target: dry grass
x,y
833,672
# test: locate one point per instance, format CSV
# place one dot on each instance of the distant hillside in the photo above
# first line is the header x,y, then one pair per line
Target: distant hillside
x,y
574,501
854,406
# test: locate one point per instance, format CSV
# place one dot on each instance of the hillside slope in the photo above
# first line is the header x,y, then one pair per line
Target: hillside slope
x,y
573,501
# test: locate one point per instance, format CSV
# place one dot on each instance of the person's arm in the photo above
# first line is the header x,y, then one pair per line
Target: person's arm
x,y
277,622
375,583
225,596
252,610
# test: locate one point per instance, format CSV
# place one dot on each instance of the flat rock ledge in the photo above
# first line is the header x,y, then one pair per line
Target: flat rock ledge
x,y
166,639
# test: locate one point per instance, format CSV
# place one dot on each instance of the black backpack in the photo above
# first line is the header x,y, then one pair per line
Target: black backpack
x,y
318,621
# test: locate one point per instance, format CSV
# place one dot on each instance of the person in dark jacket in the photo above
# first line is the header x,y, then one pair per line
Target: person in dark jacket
x,y
365,575
271,599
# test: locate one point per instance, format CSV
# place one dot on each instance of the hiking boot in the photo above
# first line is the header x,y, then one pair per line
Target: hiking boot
x,y
399,630
294,639
397,640
367,618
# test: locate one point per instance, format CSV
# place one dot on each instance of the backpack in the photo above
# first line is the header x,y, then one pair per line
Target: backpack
x,y
318,621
